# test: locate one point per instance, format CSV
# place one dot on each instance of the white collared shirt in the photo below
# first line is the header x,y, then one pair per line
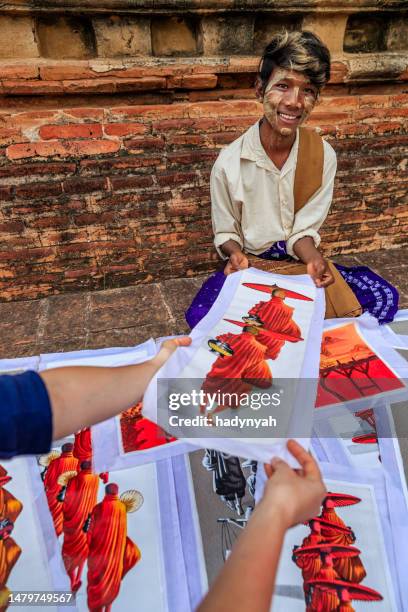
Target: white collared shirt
x,y
252,201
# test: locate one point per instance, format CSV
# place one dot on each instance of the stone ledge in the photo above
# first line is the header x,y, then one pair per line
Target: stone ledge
x,y
137,6
45,77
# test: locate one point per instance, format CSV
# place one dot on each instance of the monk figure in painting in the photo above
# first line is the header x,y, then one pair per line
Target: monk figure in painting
x,y
56,464
111,552
139,433
275,315
10,508
242,367
80,499
83,449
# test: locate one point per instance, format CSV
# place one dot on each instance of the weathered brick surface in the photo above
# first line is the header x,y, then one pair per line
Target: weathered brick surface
x,y
109,192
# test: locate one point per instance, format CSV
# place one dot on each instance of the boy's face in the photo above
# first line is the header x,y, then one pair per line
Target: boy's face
x,y
288,100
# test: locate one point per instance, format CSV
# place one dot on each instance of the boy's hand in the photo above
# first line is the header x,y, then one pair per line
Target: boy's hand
x,y
320,272
298,493
237,261
167,349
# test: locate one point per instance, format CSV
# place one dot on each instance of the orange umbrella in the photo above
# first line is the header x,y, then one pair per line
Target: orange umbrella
x,y
270,288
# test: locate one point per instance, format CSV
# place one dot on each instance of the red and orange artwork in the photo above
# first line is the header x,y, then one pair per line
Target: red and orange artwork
x,y
111,552
10,551
55,464
83,449
242,357
349,368
79,495
330,561
139,433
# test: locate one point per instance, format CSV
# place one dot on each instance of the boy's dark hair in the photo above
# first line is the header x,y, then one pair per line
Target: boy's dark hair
x,y
300,51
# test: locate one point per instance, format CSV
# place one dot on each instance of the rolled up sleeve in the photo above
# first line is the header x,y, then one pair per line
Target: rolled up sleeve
x,y
226,216
25,415
310,218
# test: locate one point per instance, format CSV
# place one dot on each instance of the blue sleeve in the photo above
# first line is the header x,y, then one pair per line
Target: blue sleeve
x,y
25,415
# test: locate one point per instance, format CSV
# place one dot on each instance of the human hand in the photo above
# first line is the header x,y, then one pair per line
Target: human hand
x,y
167,349
297,494
318,268
237,261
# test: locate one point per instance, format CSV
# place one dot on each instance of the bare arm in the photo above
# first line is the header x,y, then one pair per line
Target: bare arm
x,y
81,396
247,579
317,266
237,260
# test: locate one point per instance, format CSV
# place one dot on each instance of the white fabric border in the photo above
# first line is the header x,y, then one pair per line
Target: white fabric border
x,y
19,364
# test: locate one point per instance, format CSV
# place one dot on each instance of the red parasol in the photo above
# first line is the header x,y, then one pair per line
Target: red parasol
x,y
347,590
269,288
273,334
341,499
368,438
336,551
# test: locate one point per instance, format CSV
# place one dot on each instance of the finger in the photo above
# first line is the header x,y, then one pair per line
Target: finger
x,y
182,341
268,470
305,459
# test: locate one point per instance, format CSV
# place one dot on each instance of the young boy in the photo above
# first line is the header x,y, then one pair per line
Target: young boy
x,y
271,189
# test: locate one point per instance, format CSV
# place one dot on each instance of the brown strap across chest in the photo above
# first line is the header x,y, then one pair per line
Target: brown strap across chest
x,y
309,167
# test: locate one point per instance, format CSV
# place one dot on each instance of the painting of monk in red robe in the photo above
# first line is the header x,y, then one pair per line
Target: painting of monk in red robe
x,y
112,554
83,449
349,369
10,508
55,464
236,373
80,497
139,433
275,315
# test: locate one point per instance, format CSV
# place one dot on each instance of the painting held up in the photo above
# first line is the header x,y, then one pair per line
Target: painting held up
x,y
258,337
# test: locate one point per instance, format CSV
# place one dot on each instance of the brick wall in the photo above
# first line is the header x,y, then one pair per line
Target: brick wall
x,y
104,165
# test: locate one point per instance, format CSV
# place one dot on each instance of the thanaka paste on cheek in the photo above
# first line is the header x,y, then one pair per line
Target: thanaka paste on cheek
x,y
272,100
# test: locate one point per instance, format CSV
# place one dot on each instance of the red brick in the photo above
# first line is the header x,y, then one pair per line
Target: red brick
x,y
199,81
18,71
126,129
88,86
191,140
192,157
51,221
131,182
176,178
12,227
38,190
62,149
6,193
341,103
11,135
63,72
140,84
140,144
373,101
71,130
225,108
399,100
31,88
84,185
153,111
92,114
178,125
50,168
